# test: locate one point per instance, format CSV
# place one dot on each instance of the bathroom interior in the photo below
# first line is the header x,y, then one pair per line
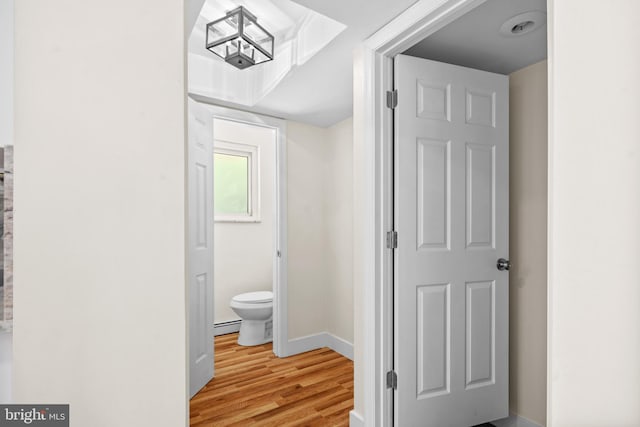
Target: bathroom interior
x,y
245,225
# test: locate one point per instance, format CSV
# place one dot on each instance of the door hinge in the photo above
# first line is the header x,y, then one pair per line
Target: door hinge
x,y
392,98
392,380
392,239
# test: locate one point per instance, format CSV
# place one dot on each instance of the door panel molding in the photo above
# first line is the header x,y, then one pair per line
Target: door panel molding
x,y
434,340
480,216
480,361
434,174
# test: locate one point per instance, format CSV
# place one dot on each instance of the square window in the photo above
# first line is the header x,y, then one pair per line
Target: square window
x,y
236,182
231,184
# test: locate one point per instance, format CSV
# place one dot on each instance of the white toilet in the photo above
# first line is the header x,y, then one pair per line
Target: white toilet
x,y
255,309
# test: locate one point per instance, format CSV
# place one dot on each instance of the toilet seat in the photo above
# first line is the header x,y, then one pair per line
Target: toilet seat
x,y
254,297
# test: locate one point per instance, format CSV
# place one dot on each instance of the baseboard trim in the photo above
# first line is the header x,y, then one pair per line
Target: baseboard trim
x,y
515,420
339,345
355,419
225,328
304,344
323,339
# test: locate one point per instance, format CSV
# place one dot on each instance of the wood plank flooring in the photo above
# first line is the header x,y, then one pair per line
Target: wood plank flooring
x,y
252,387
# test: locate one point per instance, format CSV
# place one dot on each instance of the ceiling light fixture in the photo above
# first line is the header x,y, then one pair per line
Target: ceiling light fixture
x,y
239,39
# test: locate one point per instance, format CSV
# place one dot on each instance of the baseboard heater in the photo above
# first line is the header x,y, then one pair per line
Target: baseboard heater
x,y
224,328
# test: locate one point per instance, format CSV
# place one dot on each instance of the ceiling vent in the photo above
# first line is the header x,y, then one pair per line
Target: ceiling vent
x,y
523,23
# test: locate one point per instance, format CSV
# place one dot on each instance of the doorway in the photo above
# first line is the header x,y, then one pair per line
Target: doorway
x,y
207,123
374,133
246,221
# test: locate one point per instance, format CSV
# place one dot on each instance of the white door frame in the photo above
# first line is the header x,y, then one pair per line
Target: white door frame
x,y
373,149
280,323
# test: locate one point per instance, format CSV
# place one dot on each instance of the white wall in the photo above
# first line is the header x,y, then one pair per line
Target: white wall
x,y
320,212
100,210
244,250
339,196
528,242
307,276
359,229
594,214
6,72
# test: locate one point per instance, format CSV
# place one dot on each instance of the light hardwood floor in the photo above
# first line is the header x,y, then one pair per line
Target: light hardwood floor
x,y
252,387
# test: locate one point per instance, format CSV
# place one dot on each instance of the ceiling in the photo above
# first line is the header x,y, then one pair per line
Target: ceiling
x,y
316,86
299,34
474,40
318,91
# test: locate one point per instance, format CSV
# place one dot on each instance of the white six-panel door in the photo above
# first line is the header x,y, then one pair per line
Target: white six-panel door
x,y
451,215
200,244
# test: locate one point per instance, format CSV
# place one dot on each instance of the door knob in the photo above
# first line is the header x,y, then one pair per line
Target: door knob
x,y
503,264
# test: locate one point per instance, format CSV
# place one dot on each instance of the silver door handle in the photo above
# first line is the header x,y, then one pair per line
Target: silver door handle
x,y
503,264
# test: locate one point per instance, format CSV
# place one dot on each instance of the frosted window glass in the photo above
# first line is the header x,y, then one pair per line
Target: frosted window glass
x,y
231,184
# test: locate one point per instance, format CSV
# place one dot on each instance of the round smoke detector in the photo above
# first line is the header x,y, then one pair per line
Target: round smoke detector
x,y
523,23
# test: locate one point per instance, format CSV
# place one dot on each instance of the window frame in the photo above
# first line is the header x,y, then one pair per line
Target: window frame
x,y
252,153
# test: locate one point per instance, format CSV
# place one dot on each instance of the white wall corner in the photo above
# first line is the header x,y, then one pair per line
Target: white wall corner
x,y
355,419
515,420
340,345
